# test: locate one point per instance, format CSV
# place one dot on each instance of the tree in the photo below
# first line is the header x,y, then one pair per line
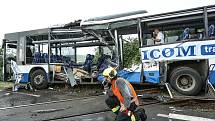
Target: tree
x,y
96,56
131,52
1,64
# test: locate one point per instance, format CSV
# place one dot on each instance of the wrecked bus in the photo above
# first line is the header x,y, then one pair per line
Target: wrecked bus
x,y
45,56
185,60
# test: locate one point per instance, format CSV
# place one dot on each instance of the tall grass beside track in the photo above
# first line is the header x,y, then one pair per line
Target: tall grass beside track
x,y
4,85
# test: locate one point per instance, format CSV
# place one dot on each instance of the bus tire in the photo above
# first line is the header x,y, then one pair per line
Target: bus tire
x,y
38,79
186,81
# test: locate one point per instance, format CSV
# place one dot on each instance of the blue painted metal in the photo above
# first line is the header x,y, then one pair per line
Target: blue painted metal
x,y
25,78
212,77
152,76
134,77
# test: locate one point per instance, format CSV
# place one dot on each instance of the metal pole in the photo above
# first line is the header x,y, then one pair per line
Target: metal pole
x,y
206,22
140,34
140,38
117,48
38,48
42,48
49,53
49,46
121,51
24,49
170,93
4,60
75,52
60,50
56,52
100,51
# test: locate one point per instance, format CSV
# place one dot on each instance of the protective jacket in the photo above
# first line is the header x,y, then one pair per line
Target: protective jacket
x,y
123,90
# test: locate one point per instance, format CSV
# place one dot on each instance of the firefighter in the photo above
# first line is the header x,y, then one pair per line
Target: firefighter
x,y
122,98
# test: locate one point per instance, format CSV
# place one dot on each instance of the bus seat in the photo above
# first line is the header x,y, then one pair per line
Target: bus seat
x,y
66,60
37,57
88,63
103,62
29,55
200,35
186,34
99,61
45,57
58,59
211,30
54,58
150,42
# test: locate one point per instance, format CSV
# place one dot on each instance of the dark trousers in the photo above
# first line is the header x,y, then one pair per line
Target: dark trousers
x,y
113,102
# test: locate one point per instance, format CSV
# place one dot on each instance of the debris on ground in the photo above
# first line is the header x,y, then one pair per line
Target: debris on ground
x,y
50,110
197,105
53,93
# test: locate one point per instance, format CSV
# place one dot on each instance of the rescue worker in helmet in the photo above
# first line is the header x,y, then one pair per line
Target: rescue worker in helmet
x,y
122,98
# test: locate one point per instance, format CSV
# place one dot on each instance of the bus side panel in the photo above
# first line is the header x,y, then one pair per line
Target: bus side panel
x,y
152,76
131,76
25,71
152,72
25,78
212,77
212,71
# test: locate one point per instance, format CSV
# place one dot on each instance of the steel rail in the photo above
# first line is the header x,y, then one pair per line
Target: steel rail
x,y
108,110
51,102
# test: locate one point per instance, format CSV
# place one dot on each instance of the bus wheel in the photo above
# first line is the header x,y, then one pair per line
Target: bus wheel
x,y
38,79
186,81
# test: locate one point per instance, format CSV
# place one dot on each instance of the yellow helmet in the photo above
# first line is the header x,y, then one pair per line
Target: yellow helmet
x,y
110,72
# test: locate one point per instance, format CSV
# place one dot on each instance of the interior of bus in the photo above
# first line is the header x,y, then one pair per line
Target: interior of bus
x,y
61,47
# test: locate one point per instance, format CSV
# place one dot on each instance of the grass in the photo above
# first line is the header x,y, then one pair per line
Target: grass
x,y
4,85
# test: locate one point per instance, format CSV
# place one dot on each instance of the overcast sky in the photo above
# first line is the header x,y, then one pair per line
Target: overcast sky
x,y
22,15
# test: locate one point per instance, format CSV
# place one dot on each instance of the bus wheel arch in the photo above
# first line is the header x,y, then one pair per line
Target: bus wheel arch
x,y
186,80
38,78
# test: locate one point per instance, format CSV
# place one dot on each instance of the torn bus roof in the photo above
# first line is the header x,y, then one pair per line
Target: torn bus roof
x,y
153,20
113,18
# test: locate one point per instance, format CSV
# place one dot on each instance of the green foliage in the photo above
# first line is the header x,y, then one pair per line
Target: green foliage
x,y
1,60
4,85
131,52
173,33
96,56
1,64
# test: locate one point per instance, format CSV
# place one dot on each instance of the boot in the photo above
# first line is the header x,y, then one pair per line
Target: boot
x,y
142,114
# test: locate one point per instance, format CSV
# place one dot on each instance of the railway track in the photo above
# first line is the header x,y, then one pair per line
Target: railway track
x,y
48,108
45,103
176,101
93,113
66,107
51,102
100,112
